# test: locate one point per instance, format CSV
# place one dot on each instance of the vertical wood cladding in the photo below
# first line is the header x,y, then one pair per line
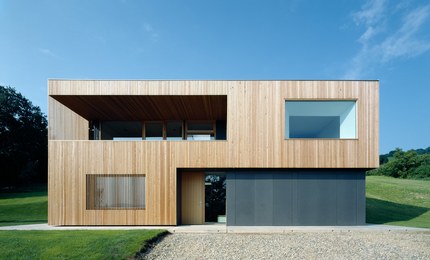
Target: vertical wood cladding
x,y
255,139
193,198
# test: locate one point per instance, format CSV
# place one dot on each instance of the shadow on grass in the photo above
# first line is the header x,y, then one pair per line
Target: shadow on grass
x,y
14,195
382,211
35,190
21,222
150,244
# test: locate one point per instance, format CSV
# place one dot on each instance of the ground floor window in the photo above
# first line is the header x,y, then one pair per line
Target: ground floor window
x,y
115,191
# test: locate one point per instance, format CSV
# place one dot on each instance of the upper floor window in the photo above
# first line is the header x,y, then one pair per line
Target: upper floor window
x,y
320,119
199,130
153,131
120,130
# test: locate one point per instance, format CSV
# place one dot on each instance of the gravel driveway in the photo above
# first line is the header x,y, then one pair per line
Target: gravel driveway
x,y
295,245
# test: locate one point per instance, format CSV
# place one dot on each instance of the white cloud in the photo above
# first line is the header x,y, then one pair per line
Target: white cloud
x,y
368,34
405,42
362,62
402,41
100,39
371,13
151,32
48,52
147,27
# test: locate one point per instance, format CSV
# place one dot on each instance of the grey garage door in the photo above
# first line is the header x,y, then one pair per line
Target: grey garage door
x,y
289,197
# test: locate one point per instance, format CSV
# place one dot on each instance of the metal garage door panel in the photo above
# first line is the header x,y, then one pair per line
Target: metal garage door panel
x,y
347,198
316,195
283,199
245,199
263,203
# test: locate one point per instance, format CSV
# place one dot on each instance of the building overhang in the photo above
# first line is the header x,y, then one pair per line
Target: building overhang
x,y
146,107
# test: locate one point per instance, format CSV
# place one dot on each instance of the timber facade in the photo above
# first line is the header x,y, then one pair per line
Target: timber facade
x,y
139,152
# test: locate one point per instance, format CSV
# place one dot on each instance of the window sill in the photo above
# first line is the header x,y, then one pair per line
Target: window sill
x,y
118,209
313,139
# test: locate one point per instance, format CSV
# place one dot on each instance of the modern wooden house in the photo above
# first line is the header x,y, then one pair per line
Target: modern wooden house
x,y
138,152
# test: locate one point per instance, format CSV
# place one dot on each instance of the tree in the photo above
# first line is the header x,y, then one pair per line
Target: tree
x,y
23,140
410,164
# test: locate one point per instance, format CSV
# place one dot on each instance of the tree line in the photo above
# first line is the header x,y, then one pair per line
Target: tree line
x,y
411,164
23,140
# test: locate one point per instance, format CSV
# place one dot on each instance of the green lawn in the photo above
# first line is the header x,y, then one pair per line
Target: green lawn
x,y
398,202
30,206
82,244
25,207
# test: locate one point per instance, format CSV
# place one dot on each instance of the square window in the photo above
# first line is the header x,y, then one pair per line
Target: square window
x,y
320,119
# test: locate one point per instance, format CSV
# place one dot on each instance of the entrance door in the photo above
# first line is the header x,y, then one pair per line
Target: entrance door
x,y
193,197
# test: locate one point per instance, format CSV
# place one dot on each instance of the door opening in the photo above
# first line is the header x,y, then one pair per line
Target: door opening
x,y
215,197
201,197
192,197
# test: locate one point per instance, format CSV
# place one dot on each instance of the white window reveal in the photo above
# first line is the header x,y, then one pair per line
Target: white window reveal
x,y
320,119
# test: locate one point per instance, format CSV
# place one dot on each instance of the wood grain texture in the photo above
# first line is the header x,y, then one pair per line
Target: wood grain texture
x,y
64,123
255,139
193,198
147,108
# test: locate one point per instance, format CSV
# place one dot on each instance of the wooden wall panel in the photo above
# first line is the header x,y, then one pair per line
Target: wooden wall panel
x,y
255,139
193,198
64,124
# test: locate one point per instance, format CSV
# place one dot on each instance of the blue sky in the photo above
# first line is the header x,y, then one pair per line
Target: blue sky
x,y
206,39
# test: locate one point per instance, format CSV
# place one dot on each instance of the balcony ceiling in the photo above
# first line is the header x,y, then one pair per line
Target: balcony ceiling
x,y
147,108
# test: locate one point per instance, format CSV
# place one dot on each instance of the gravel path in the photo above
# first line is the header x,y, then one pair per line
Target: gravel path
x,y
297,245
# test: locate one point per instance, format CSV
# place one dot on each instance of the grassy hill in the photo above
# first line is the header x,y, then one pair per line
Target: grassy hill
x,y
400,202
24,207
